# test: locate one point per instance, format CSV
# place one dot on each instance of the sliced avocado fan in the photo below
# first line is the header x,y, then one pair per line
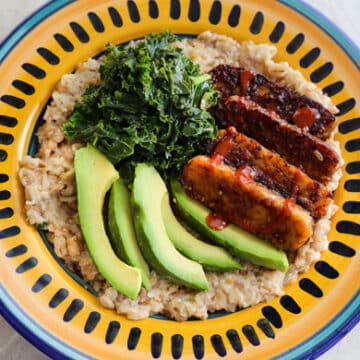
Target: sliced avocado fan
x,y
158,250
94,176
122,232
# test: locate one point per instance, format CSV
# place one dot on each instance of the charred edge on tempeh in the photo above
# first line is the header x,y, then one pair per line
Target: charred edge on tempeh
x,y
287,103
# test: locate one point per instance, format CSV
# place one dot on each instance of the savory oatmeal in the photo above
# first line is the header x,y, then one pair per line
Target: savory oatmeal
x,y
51,202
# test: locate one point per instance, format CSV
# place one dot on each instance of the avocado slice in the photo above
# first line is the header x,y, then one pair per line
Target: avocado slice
x,y
158,250
122,232
94,176
211,257
245,246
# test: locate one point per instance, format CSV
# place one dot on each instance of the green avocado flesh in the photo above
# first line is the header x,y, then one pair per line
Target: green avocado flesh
x,y
245,246
148,192
122,232
211,257
94,176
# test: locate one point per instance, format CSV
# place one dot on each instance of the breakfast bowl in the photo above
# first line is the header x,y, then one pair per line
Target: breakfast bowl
x,y
53,307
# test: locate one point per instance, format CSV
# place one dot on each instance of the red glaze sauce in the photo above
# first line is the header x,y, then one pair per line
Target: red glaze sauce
x,y
215,222
231,130
216,160
244,174
286,210
305,117
245,78
248,225
297,179
223,147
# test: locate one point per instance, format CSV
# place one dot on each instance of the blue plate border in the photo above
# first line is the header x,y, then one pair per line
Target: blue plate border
x,y
320,342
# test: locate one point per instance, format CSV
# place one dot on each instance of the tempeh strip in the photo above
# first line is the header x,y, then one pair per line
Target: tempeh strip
x,y
241,200
300,149
273,171
287,103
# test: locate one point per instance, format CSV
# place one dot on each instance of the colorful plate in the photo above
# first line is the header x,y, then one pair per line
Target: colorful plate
x,y
51,308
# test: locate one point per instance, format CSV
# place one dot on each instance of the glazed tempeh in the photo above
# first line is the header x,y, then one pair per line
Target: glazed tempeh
x,y
273,171
287,103
241,200
300,149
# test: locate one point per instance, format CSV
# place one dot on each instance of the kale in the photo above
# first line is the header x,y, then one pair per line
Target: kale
x,y
150,106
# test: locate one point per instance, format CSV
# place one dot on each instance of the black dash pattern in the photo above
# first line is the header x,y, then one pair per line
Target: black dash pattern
x,y
349,125
43,281
215,12
58,297
348,227
272,315
234,16
27,265
295,44
334,88
156,344
250,333
133,11
265,326
112,331
310,287
218,345
325,269
339,248
198,346
96,22
24,87
9,232
91,322
177,346
48,56
133,339
79,32
257,23
290,304
234,339
16,251
64,42
310,57
115,17
153,9
322,72
277,32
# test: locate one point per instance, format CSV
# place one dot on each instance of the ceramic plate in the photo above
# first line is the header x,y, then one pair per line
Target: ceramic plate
x,y
52,308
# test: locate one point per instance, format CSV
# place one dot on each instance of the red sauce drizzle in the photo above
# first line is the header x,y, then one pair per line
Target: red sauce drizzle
x,y
245,174
223,147
215,222
297,178
248,225
286,210
305,117
215,160
245,78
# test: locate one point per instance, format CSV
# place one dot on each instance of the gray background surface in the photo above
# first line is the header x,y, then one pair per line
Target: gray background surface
x,y
345,14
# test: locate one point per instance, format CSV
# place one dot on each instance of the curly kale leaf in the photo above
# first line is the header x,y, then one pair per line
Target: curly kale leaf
x,y
150,106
